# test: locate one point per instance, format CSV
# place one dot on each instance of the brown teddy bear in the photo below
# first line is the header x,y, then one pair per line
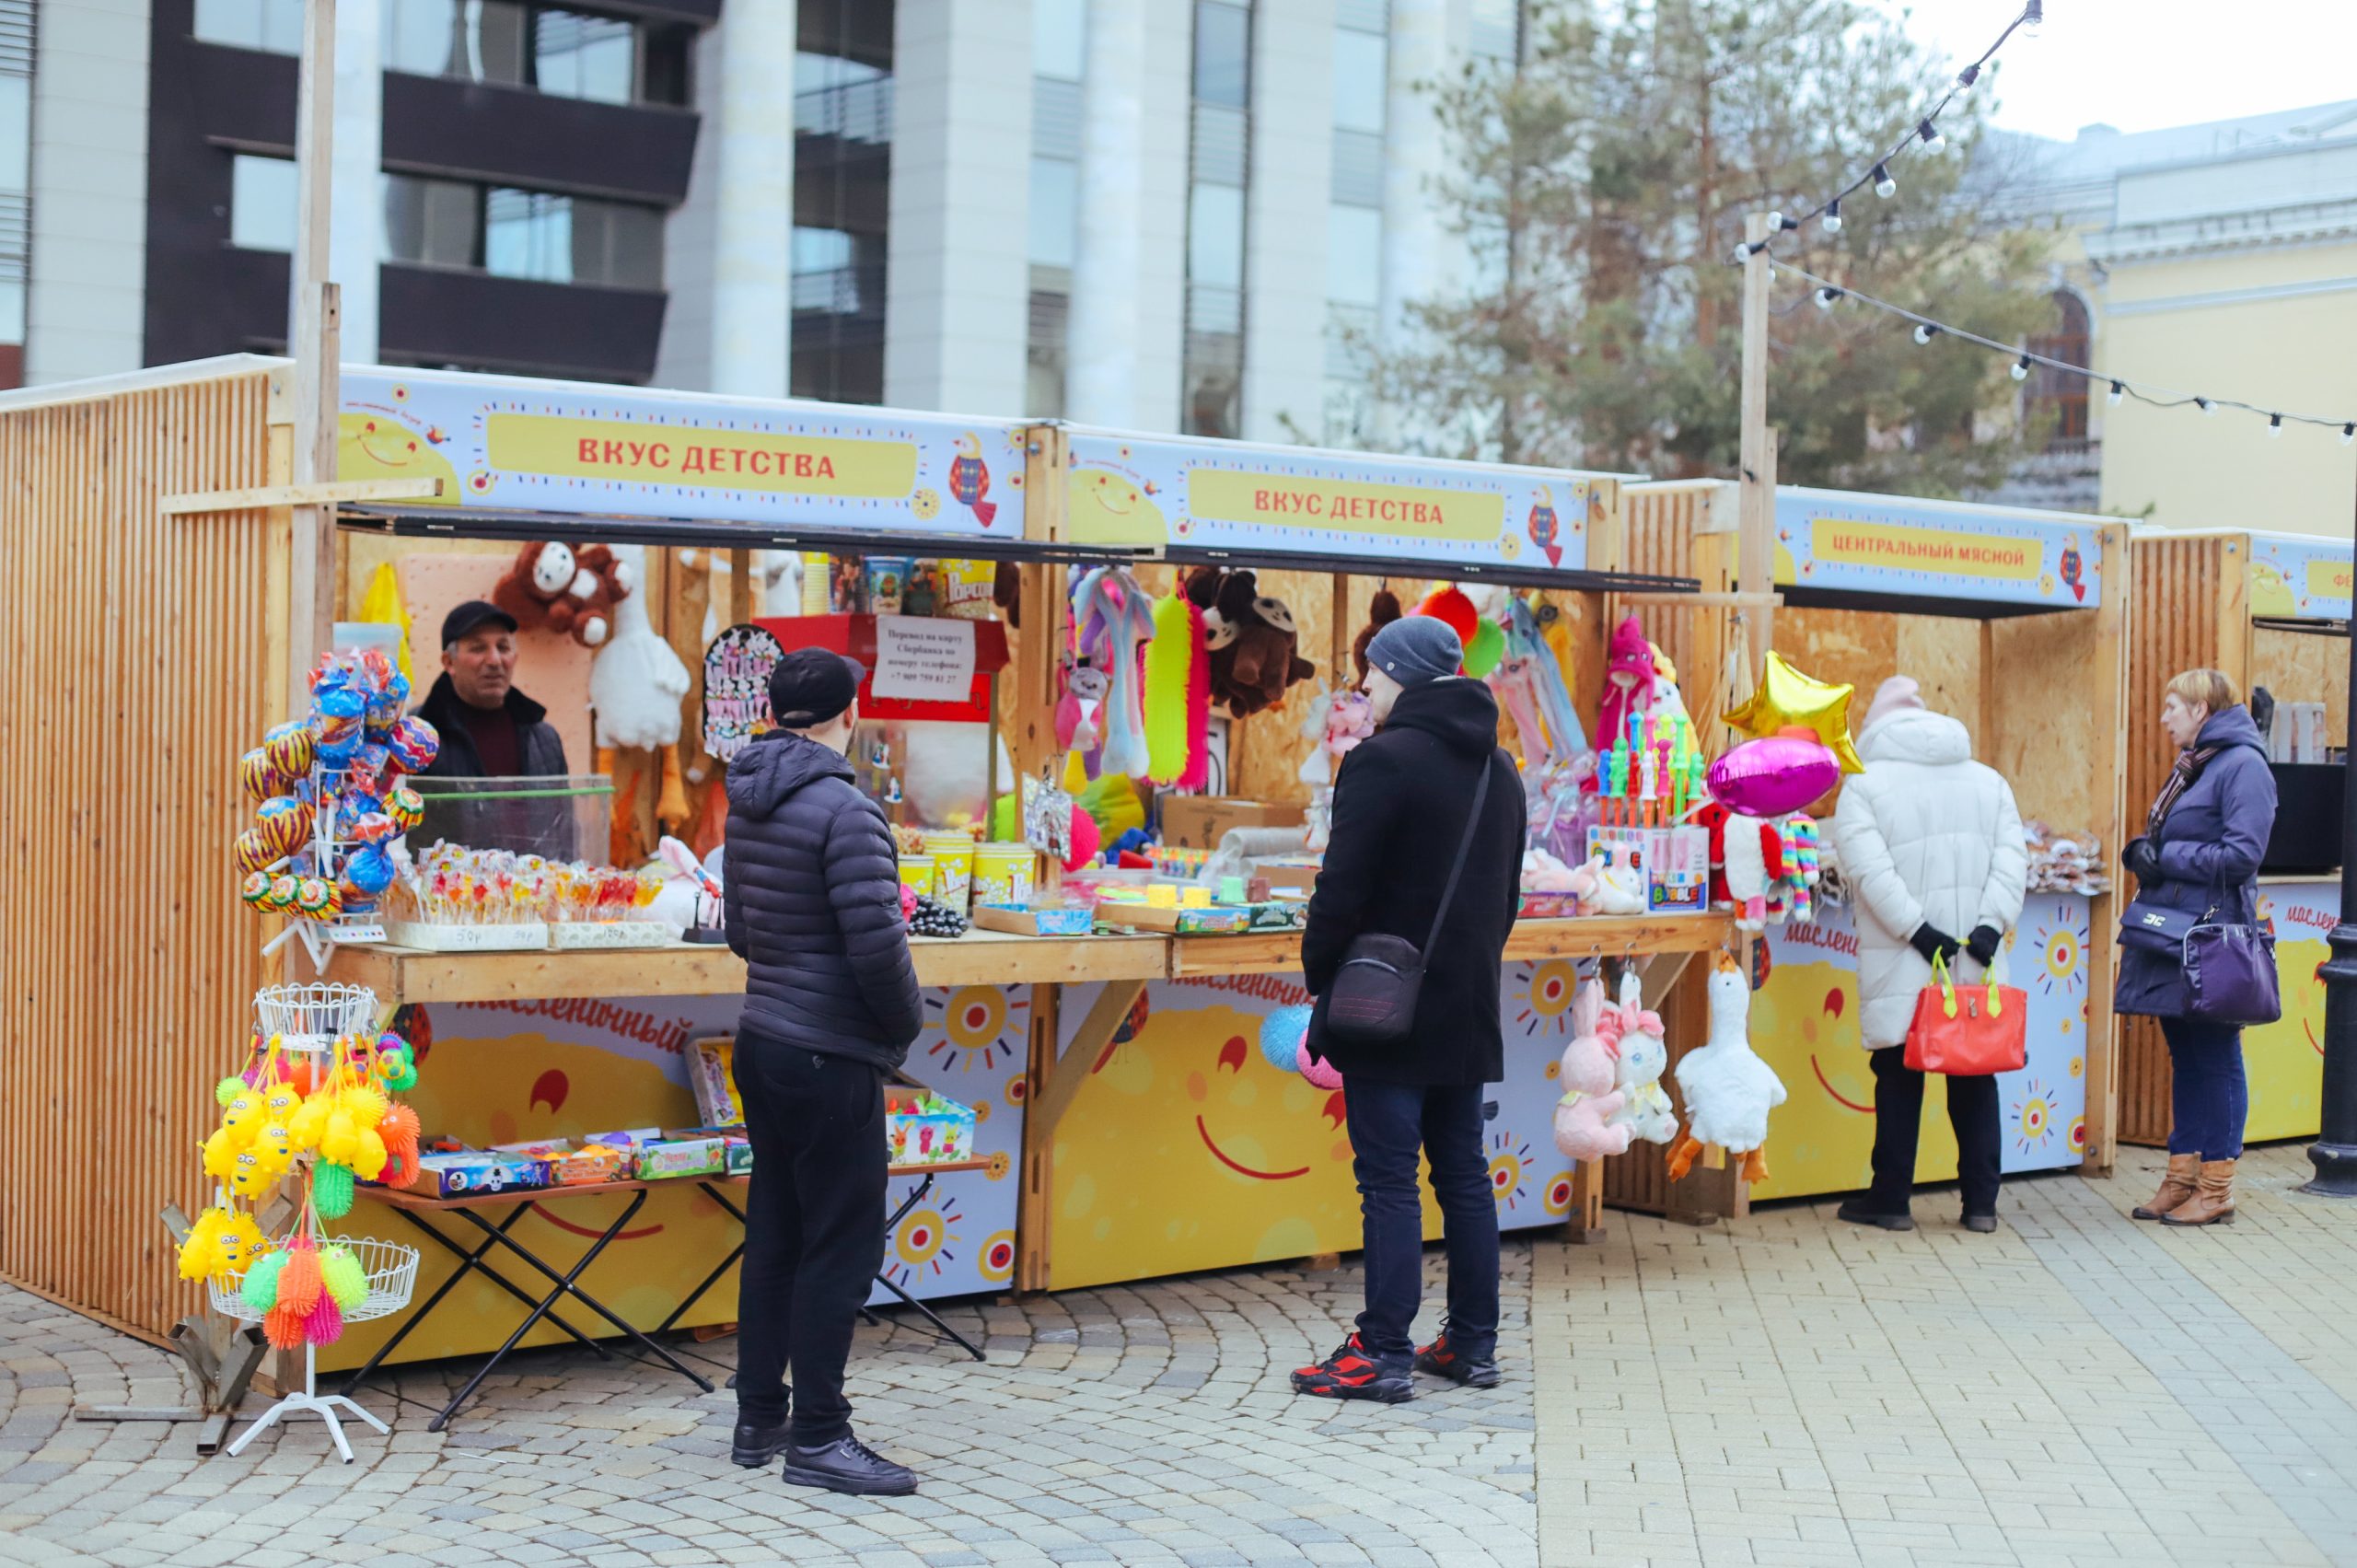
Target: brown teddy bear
x,y
1251,640
566,591
1381,611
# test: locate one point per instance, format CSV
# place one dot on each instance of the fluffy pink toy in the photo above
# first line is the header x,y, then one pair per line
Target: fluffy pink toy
x,y
1086,840
1317,1069
1589,1099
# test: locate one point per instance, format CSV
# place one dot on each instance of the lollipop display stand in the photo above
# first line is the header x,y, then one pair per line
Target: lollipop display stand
x,y
391,1271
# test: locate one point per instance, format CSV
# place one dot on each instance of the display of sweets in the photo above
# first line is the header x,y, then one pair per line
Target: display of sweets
x,y
934,918
452,884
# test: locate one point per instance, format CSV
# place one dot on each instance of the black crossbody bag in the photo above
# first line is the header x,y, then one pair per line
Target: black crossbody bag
x,y
1373,1000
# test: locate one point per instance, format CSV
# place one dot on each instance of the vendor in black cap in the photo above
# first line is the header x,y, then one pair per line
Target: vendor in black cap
x,y
490,730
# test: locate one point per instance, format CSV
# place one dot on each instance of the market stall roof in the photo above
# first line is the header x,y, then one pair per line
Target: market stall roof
x,y
1842,549
523,458
2301,582
1197,500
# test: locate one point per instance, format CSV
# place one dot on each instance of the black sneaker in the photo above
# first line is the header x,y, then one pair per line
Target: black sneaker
x,y
1472,1371
1983,1224
1856,1213
757,1446
847,1465
1350,1374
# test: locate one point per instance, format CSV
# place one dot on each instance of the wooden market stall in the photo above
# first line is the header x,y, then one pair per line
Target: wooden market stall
x,y
2012,621
2271,610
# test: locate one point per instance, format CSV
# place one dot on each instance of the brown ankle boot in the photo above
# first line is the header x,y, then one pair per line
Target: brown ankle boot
x,y
2214,1198
2176,1186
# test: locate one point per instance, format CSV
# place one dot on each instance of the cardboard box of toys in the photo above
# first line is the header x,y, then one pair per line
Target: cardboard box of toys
x,y
473,1173
710,1064
1033,920
922,1127
1198,821
1674,862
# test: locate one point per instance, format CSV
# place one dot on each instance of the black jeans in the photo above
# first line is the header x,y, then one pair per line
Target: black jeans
x,y
1389,1122
814,1229
2209,1094
1898,1119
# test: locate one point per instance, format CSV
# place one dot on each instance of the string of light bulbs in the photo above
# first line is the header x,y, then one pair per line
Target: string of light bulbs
x,y
1829,293
1926,135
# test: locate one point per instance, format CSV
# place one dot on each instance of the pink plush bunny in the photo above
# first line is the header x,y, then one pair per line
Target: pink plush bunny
x,y
1589,1099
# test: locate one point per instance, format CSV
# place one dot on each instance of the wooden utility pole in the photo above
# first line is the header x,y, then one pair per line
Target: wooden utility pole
x,y
312,337
1756,527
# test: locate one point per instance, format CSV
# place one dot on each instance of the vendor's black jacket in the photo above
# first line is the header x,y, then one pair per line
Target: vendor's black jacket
x,y
543,827
1401,804
812,886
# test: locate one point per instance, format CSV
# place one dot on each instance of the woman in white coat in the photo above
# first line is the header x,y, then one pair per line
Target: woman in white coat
x,y
1930,847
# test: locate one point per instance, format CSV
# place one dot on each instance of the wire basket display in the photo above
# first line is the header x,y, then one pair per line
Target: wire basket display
x,y
391,1268
308,1016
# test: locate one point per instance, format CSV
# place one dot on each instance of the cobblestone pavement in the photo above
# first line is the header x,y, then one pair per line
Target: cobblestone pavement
x,y
1139,1424
2078,1389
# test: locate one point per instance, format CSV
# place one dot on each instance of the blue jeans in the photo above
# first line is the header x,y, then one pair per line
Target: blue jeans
x,y
2209,1097
1389,1122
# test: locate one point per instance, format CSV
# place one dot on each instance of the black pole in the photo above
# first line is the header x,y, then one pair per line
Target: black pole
x,y
2334,1153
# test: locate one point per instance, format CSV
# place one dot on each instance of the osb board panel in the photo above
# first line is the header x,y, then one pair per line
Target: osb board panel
x,y
2047,715
1267,750
136,674
1943,656
2301,667
551,668
1638,1179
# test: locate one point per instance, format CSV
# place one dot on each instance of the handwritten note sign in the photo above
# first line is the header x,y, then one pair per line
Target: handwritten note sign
x,y
921,659
737,689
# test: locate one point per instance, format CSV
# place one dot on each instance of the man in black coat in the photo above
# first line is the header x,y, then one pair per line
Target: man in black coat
x,y
1402,805
490,730
812,887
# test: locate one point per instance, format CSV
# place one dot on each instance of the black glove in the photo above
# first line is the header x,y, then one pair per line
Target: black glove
x,y
2141,857
1933,943
1982,944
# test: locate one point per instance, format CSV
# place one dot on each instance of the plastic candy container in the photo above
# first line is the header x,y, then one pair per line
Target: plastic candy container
x,y
414,744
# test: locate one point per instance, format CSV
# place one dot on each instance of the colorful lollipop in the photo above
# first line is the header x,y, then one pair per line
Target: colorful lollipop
x,y
406,807
414,744
255,890
290,747
370,870
285,823
254,852
316,898
260,778
283,889
371,828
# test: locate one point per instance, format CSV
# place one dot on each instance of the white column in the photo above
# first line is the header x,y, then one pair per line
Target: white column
x,y
85,304
1161,309
356,218
1292,178
752,213
1101,376
1412,161
683,354
957,268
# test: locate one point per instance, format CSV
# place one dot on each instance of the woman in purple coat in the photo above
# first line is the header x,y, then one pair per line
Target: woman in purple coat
x,y
2200,852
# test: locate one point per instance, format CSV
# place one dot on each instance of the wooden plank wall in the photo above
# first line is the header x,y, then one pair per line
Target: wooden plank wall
x,y
137,673
2191,611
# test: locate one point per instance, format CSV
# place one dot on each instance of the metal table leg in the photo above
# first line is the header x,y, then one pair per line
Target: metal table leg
x,y
713,1278
892,1223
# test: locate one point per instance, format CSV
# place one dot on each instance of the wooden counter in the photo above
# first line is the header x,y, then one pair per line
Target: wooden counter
x,y
1597,937
403,975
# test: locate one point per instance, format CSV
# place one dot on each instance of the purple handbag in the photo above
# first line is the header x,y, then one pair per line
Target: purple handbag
x,y
2230,974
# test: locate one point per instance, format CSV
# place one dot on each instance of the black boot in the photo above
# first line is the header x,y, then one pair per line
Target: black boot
x,y
1858,1211
850,1466
757,1446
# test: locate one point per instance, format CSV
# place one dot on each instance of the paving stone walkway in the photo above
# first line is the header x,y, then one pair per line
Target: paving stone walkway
x,y
2075,1390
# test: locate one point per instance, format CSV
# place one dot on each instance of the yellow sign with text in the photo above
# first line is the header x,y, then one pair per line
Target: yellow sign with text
x,y
1894,546
1394,511
2330,579
717,460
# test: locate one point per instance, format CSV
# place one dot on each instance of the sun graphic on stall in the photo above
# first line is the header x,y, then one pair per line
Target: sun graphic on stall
x,y
1543,1006
2078,1134
1557,1199
922,1243
1509,1162
998,1256
2032,1117
2063,953
979,1027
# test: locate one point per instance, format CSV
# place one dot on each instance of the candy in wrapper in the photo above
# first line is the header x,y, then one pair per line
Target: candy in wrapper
x,y
414,744
337,716
406,807
254,852
355,898
371,770
284,823
370,870
371,828
260,778
283,889
255,890
290,747
316,896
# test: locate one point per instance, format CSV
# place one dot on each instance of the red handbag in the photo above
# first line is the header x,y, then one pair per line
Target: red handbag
x,y
1969,1030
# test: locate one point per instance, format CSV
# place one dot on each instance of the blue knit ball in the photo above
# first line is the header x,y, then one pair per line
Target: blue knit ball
x,y
1280,1037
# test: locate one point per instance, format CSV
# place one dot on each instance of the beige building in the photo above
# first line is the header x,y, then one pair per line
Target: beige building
x,y
2218,258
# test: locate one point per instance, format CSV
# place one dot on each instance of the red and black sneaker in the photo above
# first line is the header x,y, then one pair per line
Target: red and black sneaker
x,y
1350,1374
1442,1360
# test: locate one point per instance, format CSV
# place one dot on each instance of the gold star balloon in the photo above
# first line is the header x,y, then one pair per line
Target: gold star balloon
x,y
1786,697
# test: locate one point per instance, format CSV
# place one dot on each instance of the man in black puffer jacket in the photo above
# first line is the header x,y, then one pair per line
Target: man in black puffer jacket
x,y
1403,803
812,886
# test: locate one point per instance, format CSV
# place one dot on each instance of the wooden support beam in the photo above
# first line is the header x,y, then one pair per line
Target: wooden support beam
x,y
740,587
1758,526
1078,1060
327,493
1706,601
2108,677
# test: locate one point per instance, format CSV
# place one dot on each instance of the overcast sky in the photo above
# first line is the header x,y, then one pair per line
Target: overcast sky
x,y
2143,64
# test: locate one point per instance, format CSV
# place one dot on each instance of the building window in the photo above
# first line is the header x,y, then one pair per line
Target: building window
x,y
433,223
560,52
1361,80
1493,30
1354,217
1059,39
842,172
262,195
275,26
1212,386
16,182
554,239
2054,395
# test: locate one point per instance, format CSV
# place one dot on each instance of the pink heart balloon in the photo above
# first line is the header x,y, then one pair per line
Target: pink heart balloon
x,y
1770,777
